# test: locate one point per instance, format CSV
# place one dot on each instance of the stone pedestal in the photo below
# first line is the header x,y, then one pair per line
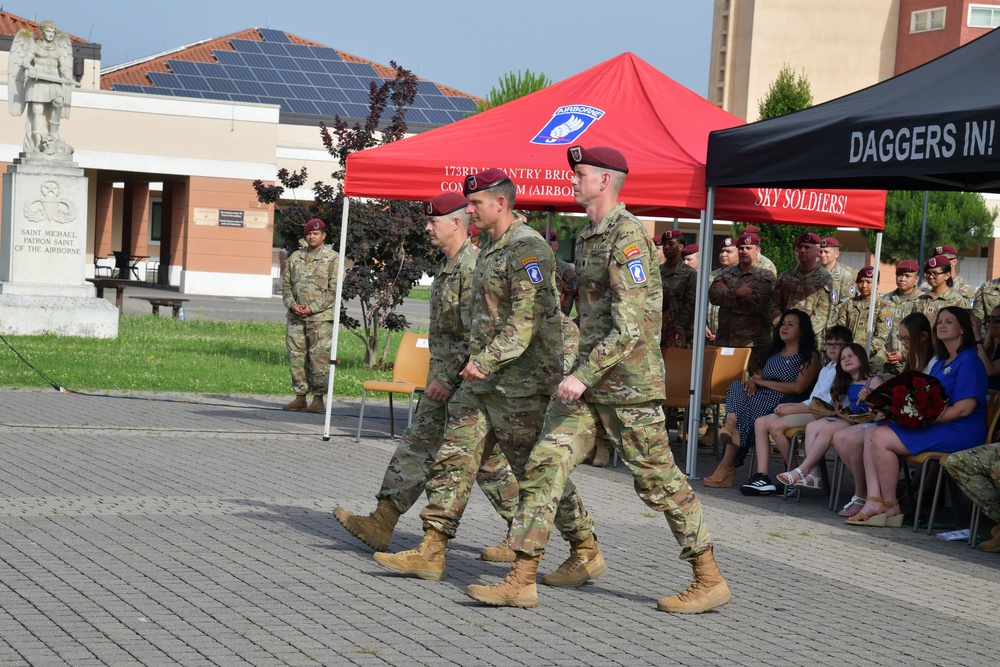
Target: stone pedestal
x,y
43,253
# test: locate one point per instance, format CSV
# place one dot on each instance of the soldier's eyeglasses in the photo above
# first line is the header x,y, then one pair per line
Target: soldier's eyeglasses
x,y
932,274
837,345
905,340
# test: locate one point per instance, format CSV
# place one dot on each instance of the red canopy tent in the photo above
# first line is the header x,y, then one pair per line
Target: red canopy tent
x,y
661,127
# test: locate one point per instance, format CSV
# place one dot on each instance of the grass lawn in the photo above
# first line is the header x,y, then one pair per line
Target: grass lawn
x,y
163,354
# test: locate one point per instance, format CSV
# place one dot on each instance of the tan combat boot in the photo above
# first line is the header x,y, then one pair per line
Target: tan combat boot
x,y
992,545
424,562
375,530
602,455
708,590
517,590
501,553
585,562
298,404
317,404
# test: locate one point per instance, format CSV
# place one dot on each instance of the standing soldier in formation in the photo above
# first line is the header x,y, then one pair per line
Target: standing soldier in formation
x,y
565,276
805,286
615,391
514,362
689,254
309,290
841,276
406,475
762,261
958,282
853,314
743,295
679,283
728,256
937,273
900,302
986,299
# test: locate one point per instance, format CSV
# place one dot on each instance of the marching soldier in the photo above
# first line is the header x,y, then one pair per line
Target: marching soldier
x,y
853,314
841,276
900,302
565,277
937,273
743,295
679,283
806,286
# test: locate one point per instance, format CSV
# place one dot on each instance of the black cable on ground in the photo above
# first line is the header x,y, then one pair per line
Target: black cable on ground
x,y
62,390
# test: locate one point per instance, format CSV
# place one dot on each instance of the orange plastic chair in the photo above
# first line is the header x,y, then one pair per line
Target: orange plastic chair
x,y
409,376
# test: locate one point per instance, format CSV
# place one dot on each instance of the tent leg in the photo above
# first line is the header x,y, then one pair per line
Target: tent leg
x,y
336,317
698,344
874,297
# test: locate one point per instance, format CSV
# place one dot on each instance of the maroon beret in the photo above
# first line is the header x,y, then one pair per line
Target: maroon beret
x,y
484,180
598,156
907,266
946,250
728,242
474,231
747,238
938,262
689,249
865,272
313,225
808,237
445,203
671,234
551,236
829,242
751,229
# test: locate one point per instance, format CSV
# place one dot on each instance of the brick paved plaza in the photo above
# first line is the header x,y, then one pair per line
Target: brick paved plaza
x,y
196,530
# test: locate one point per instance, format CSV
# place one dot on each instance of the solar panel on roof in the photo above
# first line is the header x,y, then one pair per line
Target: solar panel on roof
x,y
300,51
257,60
362,69
246,45
272,35
161,79
268,75
294,77
249,88
310,65
272,49
278,90
300,106
428,88
182,67
324,53
330,109
238,73
229,57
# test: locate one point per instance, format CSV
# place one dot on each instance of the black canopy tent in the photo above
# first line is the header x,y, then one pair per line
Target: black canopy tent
x,y
931,128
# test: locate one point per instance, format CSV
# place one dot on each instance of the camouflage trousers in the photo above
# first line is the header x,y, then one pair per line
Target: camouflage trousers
x,y
475,423
406,477
977,473
639,435
308,346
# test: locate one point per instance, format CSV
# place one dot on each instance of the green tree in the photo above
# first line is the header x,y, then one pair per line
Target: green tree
x,y
512,86
960,219
787,93
387,246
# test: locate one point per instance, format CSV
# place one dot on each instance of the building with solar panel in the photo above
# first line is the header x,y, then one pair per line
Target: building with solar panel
x,y
171,143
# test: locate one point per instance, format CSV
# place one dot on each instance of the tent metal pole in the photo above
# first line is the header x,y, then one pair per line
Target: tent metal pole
x,y
548,223
698,344
336,317
923,229
874,297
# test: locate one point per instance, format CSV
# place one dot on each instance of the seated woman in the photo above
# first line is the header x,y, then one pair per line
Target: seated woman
x,y
990,351
977,473
918,353
793,415
962,425
853,378
791,364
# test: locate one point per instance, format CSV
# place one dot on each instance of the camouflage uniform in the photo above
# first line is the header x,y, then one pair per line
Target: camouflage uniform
x,y
841,291
515,339
565,284
406,475
622,367
310,278
679,285
986,299
853,314
959,285
766,264
930,303
713,310
809,292
743,322
899,305
977,472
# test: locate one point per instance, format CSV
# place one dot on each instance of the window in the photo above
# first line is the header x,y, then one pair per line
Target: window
x,y
928,19
984,16
155,220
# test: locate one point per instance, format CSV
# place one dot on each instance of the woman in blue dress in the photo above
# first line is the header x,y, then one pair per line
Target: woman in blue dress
x,y
790,369
962,425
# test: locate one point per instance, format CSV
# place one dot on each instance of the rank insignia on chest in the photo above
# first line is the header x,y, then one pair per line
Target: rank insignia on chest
x,y
631,251
637,270
531,267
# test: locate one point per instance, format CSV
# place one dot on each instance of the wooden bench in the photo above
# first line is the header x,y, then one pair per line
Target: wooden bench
x,y
157,301
118,284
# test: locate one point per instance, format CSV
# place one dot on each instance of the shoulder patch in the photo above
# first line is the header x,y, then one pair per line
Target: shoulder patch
x,y
853,290
631,251
833,296
637,270
531,267
888,321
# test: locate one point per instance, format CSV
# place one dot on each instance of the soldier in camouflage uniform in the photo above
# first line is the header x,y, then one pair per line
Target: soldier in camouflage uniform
x,y
679,283
728,256
616,389
689,255
977,472
565,277
853,314
762,261
986,299
805,286
841,277
514,364
958,282
406,475
937,273
900,303
743,294
309,290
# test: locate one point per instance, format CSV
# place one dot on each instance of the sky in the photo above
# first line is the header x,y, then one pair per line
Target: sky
x,y
468,45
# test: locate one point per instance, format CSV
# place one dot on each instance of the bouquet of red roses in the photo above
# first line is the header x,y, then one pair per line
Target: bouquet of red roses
x,y
912,399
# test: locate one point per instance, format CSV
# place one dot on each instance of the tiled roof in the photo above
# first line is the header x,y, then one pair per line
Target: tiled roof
x,y
10,24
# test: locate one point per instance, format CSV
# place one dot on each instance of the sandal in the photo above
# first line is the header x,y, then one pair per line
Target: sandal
x,y
810,481
895,520
855,500
862,519
788,477
722,478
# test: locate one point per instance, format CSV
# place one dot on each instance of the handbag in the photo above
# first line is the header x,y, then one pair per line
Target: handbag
x,y
819,409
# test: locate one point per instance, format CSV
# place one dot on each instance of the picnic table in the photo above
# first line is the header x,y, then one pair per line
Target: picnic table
x,y
167,302
119,286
